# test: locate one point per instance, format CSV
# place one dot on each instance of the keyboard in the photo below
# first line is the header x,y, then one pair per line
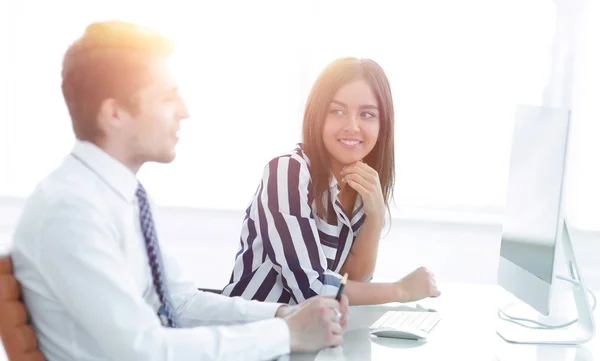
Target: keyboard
x,y
419,322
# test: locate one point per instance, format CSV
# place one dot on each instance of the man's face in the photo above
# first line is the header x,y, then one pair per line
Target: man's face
x,y
151,131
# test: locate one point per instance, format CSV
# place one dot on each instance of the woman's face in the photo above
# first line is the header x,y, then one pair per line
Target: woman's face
x,y
351,127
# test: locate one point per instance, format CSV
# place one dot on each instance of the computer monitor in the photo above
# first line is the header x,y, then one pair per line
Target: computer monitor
x,y
534,224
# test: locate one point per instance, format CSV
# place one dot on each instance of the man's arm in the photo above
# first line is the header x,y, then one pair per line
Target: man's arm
x,y
205,308
80,259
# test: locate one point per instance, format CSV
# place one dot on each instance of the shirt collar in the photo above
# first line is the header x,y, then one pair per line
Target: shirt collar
x,y
114,173
333,183
335,189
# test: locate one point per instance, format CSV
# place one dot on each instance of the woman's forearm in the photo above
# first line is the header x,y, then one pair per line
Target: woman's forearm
x,y
360,263
361,293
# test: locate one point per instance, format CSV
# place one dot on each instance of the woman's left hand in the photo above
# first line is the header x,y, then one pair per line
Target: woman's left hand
x,y
365,180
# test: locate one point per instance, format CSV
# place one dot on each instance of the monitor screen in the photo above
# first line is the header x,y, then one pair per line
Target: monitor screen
x,y
534,192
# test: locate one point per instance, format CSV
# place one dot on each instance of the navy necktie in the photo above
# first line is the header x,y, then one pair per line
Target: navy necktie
x,y
167,313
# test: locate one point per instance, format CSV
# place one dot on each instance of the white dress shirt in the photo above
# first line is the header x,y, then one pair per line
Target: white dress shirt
x,y
80,257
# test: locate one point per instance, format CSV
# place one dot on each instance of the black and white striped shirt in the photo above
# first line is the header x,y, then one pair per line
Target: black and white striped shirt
x,y
287,254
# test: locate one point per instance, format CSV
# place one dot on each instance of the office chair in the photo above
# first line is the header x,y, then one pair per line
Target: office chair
x,y
18,337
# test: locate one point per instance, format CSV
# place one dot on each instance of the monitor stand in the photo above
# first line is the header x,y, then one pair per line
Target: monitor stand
x,y
578,333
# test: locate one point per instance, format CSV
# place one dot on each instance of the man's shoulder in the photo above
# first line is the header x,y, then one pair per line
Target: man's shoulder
x,y
67,188
63,194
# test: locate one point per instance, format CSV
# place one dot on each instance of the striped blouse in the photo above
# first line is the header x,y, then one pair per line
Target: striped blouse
x,y
287,254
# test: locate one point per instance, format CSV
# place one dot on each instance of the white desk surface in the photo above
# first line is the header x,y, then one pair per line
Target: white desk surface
x,y
467,331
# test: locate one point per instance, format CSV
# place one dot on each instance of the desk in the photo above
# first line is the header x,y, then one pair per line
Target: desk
x,y
467,331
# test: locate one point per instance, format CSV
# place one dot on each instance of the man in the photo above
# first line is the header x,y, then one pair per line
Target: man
x,y
95,278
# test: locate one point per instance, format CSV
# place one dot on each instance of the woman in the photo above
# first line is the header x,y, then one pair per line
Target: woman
x,y
319,211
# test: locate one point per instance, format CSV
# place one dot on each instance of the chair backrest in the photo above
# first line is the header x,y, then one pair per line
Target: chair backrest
x,y
18,338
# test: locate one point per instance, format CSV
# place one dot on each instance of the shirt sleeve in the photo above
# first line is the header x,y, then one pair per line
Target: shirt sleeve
x,y
82,263
289,232
204,308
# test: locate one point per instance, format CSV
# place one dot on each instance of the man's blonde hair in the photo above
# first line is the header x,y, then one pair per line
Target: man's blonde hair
x,y
109,61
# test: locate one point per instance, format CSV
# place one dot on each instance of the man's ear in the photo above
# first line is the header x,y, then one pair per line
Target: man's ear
x,y
111,115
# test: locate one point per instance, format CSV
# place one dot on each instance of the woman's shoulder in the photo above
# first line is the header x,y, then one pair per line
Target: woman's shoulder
x,y
289,172
293,158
